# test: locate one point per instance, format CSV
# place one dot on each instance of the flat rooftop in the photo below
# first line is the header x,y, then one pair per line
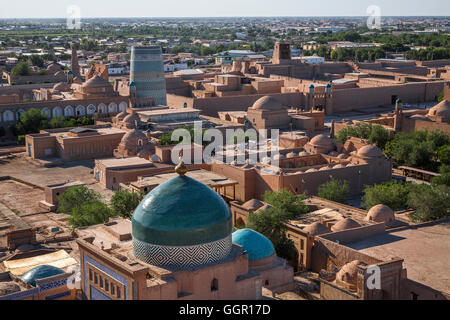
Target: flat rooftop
x,y
124,162
209,178
96,133
161,112
425,249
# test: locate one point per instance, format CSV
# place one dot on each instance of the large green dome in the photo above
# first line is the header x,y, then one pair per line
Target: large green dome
x,y
182,212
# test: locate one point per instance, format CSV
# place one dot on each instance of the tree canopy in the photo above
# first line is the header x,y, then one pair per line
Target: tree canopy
x,y
123,202
335,190
75,197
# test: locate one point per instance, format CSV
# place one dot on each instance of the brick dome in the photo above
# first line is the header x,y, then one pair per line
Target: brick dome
x,y
316,229
370,151
381,213
321,140
345,224
267,103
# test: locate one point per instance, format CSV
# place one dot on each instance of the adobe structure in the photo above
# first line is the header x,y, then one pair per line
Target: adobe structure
x,y
303,170
437,118
332,86
72,95
197,257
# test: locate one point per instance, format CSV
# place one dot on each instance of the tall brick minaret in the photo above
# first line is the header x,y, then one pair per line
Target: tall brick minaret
x,y
75,66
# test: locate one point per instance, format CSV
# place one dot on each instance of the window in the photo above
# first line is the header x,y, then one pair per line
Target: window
x,y
101,282
106,285
215,285
90,275
118,292
113,289
95,278
414,296
302,245
266,283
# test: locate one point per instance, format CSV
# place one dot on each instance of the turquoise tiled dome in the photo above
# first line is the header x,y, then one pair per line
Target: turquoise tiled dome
x,y
182,212
40,272
256,245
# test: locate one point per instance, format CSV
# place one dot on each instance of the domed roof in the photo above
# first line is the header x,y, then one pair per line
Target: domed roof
x,y
253,204
303,154
291,155
267,103
345,225
311,170
61,86
40,272
96,82
181,212
134,136
257,246
349,272
370,151
420,117
324,168
440,110
121,115
131,119
321,140
380,213
316,229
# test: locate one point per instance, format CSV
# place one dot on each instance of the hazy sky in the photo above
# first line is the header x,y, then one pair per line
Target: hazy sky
x,y
216,8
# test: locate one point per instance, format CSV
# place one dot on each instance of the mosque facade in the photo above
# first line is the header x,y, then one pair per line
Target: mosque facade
x,y
179,245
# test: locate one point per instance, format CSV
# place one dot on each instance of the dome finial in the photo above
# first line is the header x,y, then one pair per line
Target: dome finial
x,y
181,168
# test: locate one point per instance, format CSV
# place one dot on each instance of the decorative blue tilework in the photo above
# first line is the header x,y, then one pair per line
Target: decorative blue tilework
x,y
97,294
59,295
21,295
52,285
122,280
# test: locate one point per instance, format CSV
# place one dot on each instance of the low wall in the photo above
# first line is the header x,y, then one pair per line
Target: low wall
x,y
211,106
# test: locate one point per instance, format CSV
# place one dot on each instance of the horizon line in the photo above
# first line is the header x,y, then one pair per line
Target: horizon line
x,y
262,16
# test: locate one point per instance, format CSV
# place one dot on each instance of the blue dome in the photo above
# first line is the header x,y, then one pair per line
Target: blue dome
x,y
40,272
256,245
182,212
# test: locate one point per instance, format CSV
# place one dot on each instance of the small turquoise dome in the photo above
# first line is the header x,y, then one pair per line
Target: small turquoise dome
x,y
40,272
256,245
182,212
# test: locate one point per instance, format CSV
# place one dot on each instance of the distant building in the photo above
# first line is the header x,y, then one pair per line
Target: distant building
x,y
147,72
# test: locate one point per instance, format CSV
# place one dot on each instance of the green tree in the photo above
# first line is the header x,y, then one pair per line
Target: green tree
x,y
21,69
444,178
75,197
89,214
30,121
272,224
430,203
444,154
392,194
123,202
335,190
379,136
441,96
290,205
37,61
